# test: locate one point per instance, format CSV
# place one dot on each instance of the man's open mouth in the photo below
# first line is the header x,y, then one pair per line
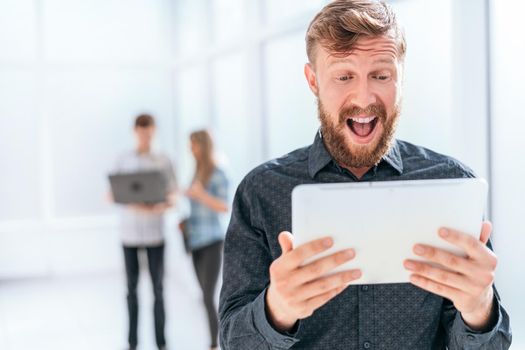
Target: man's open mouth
x,y
362,127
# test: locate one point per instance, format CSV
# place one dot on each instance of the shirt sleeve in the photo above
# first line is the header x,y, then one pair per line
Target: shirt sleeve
x,y
219,186
497,336
461,336
243,321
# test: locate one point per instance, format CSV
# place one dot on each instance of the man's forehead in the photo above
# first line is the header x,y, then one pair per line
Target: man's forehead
x,y
382,49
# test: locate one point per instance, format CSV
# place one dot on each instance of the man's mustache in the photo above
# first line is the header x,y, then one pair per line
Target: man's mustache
x,y
352,111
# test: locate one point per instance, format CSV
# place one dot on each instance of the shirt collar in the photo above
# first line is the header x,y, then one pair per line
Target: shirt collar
x,y
393,157
318,156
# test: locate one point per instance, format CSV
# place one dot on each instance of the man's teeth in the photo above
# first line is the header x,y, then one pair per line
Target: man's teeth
x,y
363,120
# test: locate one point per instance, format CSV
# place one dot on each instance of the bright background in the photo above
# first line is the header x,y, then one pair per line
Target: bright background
x,y
73,74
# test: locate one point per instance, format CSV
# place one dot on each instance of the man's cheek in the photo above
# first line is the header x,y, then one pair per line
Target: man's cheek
x,y
333,104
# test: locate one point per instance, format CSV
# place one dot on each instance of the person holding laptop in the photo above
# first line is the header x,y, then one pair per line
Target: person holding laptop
x,y
142,227
271,299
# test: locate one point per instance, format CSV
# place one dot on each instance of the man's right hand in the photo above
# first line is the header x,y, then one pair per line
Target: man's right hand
x,y
296,291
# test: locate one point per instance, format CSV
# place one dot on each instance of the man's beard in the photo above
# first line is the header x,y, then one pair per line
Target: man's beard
x,y
352,155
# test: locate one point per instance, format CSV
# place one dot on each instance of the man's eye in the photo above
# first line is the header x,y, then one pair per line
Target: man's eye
x,y
381,77
343,78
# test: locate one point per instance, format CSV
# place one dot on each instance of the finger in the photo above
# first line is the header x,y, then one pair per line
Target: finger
x,y
318,301
325,284
321,266
300,254
470,245
435,287
281,267
448,278
286,242
444,258
486,231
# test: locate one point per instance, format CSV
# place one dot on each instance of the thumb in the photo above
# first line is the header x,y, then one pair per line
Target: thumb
x,y
285,241
486,230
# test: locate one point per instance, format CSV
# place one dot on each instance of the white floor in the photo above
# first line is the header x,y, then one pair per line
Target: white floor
x,y
89,312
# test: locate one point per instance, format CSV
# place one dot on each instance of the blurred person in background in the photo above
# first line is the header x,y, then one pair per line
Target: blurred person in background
x,y
208,198
142,227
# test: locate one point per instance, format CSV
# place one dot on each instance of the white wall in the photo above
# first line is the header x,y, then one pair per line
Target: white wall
x,y
508,143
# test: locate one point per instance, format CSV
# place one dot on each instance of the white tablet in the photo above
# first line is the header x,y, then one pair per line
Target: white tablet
x,y
383,220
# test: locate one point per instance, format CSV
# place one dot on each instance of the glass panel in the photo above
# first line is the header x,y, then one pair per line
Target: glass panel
x,y
290,105
17,30
427,115
508,167
192,26
192,112
235,127
19,132
228,19
277,10
101,30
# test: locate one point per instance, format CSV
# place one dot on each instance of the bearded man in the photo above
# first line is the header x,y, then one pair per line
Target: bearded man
x,y
272,299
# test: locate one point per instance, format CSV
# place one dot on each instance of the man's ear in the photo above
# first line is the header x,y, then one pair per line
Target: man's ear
x,y
309,73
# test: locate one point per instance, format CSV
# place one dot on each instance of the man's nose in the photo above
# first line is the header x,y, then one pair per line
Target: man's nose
x,y
363,97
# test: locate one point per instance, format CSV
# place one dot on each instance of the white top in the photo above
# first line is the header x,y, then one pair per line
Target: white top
x,y
143,229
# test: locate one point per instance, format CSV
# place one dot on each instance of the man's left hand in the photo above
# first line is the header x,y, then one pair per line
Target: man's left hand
x,y
466,281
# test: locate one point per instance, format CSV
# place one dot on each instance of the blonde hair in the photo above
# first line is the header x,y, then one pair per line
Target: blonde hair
x,y
342,22
205,162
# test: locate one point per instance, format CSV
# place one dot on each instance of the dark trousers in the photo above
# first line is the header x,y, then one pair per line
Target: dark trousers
x,y
207,263
156,270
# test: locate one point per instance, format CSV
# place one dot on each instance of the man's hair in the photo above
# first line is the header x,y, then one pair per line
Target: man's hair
x,y
342,22
144,121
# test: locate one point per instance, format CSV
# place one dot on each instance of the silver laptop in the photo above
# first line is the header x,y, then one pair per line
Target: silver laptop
x,y
148,187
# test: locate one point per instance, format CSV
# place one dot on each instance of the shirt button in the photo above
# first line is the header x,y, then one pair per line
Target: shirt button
x,y
470,337
364,288
288,340
366,345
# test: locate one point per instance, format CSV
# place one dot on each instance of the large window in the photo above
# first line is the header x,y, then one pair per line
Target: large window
x,y
18,36
508,123
231,114
20,135
289,104
445,87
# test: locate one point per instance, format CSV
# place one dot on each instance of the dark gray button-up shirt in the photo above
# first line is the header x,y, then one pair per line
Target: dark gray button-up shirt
x,y
381,316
